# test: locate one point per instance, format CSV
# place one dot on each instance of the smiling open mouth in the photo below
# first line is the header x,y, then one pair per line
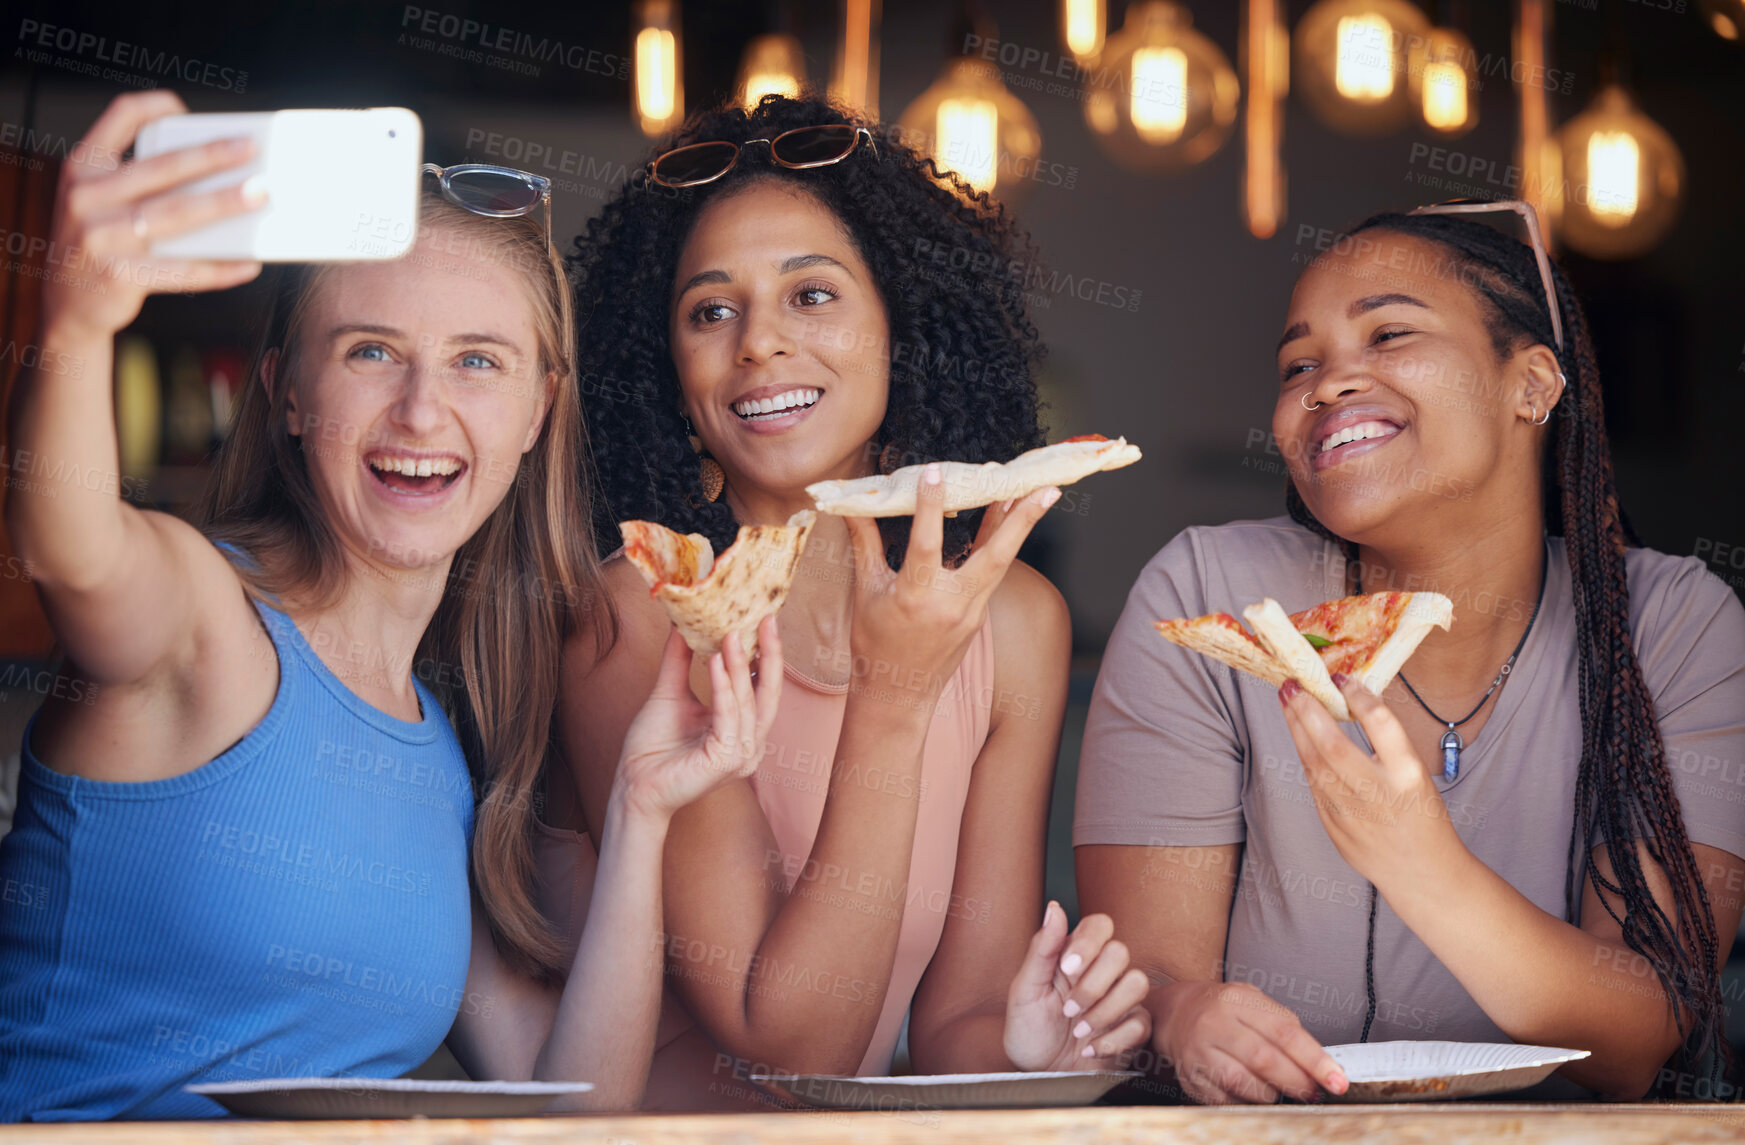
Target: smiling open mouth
x,y
770,408
416,476
1362,431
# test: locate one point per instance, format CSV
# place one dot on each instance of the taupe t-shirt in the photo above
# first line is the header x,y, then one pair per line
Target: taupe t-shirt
x,y
1181,751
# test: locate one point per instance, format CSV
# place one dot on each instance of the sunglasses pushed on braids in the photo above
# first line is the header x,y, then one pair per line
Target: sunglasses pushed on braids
x,y
1535,239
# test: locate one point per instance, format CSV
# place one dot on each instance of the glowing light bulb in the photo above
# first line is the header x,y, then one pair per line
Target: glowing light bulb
x,y
1614,170
656,64
658,82
1619,178
1160,94
774,64
760,84
1444,96
1084,24
968,131
1168,97
1364,68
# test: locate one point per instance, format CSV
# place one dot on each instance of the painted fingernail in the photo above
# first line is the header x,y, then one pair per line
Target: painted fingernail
x,y
1082,1030
1340,679
254,190
1287,691
1071,963
1088,1052
1006,505
931,474
1071,1009
1050,497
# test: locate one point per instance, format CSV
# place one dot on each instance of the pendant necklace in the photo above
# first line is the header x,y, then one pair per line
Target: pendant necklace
x,y
1451,741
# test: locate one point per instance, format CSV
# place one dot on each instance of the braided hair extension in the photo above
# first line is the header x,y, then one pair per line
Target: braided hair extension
x,y
1623,785
952,269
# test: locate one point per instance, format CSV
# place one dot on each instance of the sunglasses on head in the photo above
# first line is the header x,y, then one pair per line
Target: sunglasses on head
x,y
1535,238
803,147
495,192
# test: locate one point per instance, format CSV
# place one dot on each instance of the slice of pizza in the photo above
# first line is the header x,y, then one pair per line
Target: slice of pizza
x,y
969,486
708,596
1367,637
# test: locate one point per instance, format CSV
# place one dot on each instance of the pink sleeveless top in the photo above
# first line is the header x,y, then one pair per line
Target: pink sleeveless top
x,y
791,785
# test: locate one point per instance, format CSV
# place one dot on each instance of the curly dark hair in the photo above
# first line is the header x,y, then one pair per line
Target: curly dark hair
x,y
1624,786
950,265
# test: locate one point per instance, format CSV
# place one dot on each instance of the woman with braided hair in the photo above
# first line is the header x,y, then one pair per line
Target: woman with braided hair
x,y
1574,880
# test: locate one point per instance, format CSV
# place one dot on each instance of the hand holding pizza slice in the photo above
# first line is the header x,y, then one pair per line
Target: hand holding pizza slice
x,y
969,486
1369,638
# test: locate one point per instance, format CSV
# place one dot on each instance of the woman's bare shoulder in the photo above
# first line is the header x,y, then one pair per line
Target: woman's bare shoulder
x,y
639,624
1028,612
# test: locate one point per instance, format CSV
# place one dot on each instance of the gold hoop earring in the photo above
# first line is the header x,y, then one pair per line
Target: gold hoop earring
x,y
710,475
1304,402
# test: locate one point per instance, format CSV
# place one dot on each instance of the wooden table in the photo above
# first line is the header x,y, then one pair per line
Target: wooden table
x,y
1420,1124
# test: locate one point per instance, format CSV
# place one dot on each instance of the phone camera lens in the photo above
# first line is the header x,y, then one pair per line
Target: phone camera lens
x,y
390,133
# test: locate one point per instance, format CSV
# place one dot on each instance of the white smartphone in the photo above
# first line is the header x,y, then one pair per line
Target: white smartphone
x,y
342,185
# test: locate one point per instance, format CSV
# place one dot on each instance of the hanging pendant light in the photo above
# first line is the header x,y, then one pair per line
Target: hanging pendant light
x,y
855,80
1350,63
773,63
1266,68
1623,178
1444,82
1164,96
657,80
969,122
1083,27
1536,155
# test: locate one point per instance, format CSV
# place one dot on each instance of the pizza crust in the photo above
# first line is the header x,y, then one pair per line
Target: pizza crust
x,y
708,597
1226,642
1423,611
969,486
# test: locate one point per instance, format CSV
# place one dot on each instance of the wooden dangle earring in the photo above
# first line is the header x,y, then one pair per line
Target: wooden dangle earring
x,y
713,478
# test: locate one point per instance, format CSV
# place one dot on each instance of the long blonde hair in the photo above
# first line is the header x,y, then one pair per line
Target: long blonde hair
x,y
528,576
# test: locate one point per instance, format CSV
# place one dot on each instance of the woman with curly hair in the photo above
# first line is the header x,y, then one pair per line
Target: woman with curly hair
x,y
762,326
1539,837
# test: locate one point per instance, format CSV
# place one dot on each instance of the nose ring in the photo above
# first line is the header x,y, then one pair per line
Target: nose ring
x,y
1306,405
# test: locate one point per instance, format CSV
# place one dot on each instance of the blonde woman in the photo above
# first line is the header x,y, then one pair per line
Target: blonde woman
x,y
256,840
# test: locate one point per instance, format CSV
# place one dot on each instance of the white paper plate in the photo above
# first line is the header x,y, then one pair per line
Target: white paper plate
x,y
1439,1071
322,1098
949,1090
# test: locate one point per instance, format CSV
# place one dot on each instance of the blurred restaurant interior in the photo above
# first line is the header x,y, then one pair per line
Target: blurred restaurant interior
x,y
1170,232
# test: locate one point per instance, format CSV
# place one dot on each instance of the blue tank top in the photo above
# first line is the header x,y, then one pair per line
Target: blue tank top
x,y
296,907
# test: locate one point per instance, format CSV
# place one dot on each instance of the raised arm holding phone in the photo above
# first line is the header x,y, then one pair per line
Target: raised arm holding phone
x,y
258,838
